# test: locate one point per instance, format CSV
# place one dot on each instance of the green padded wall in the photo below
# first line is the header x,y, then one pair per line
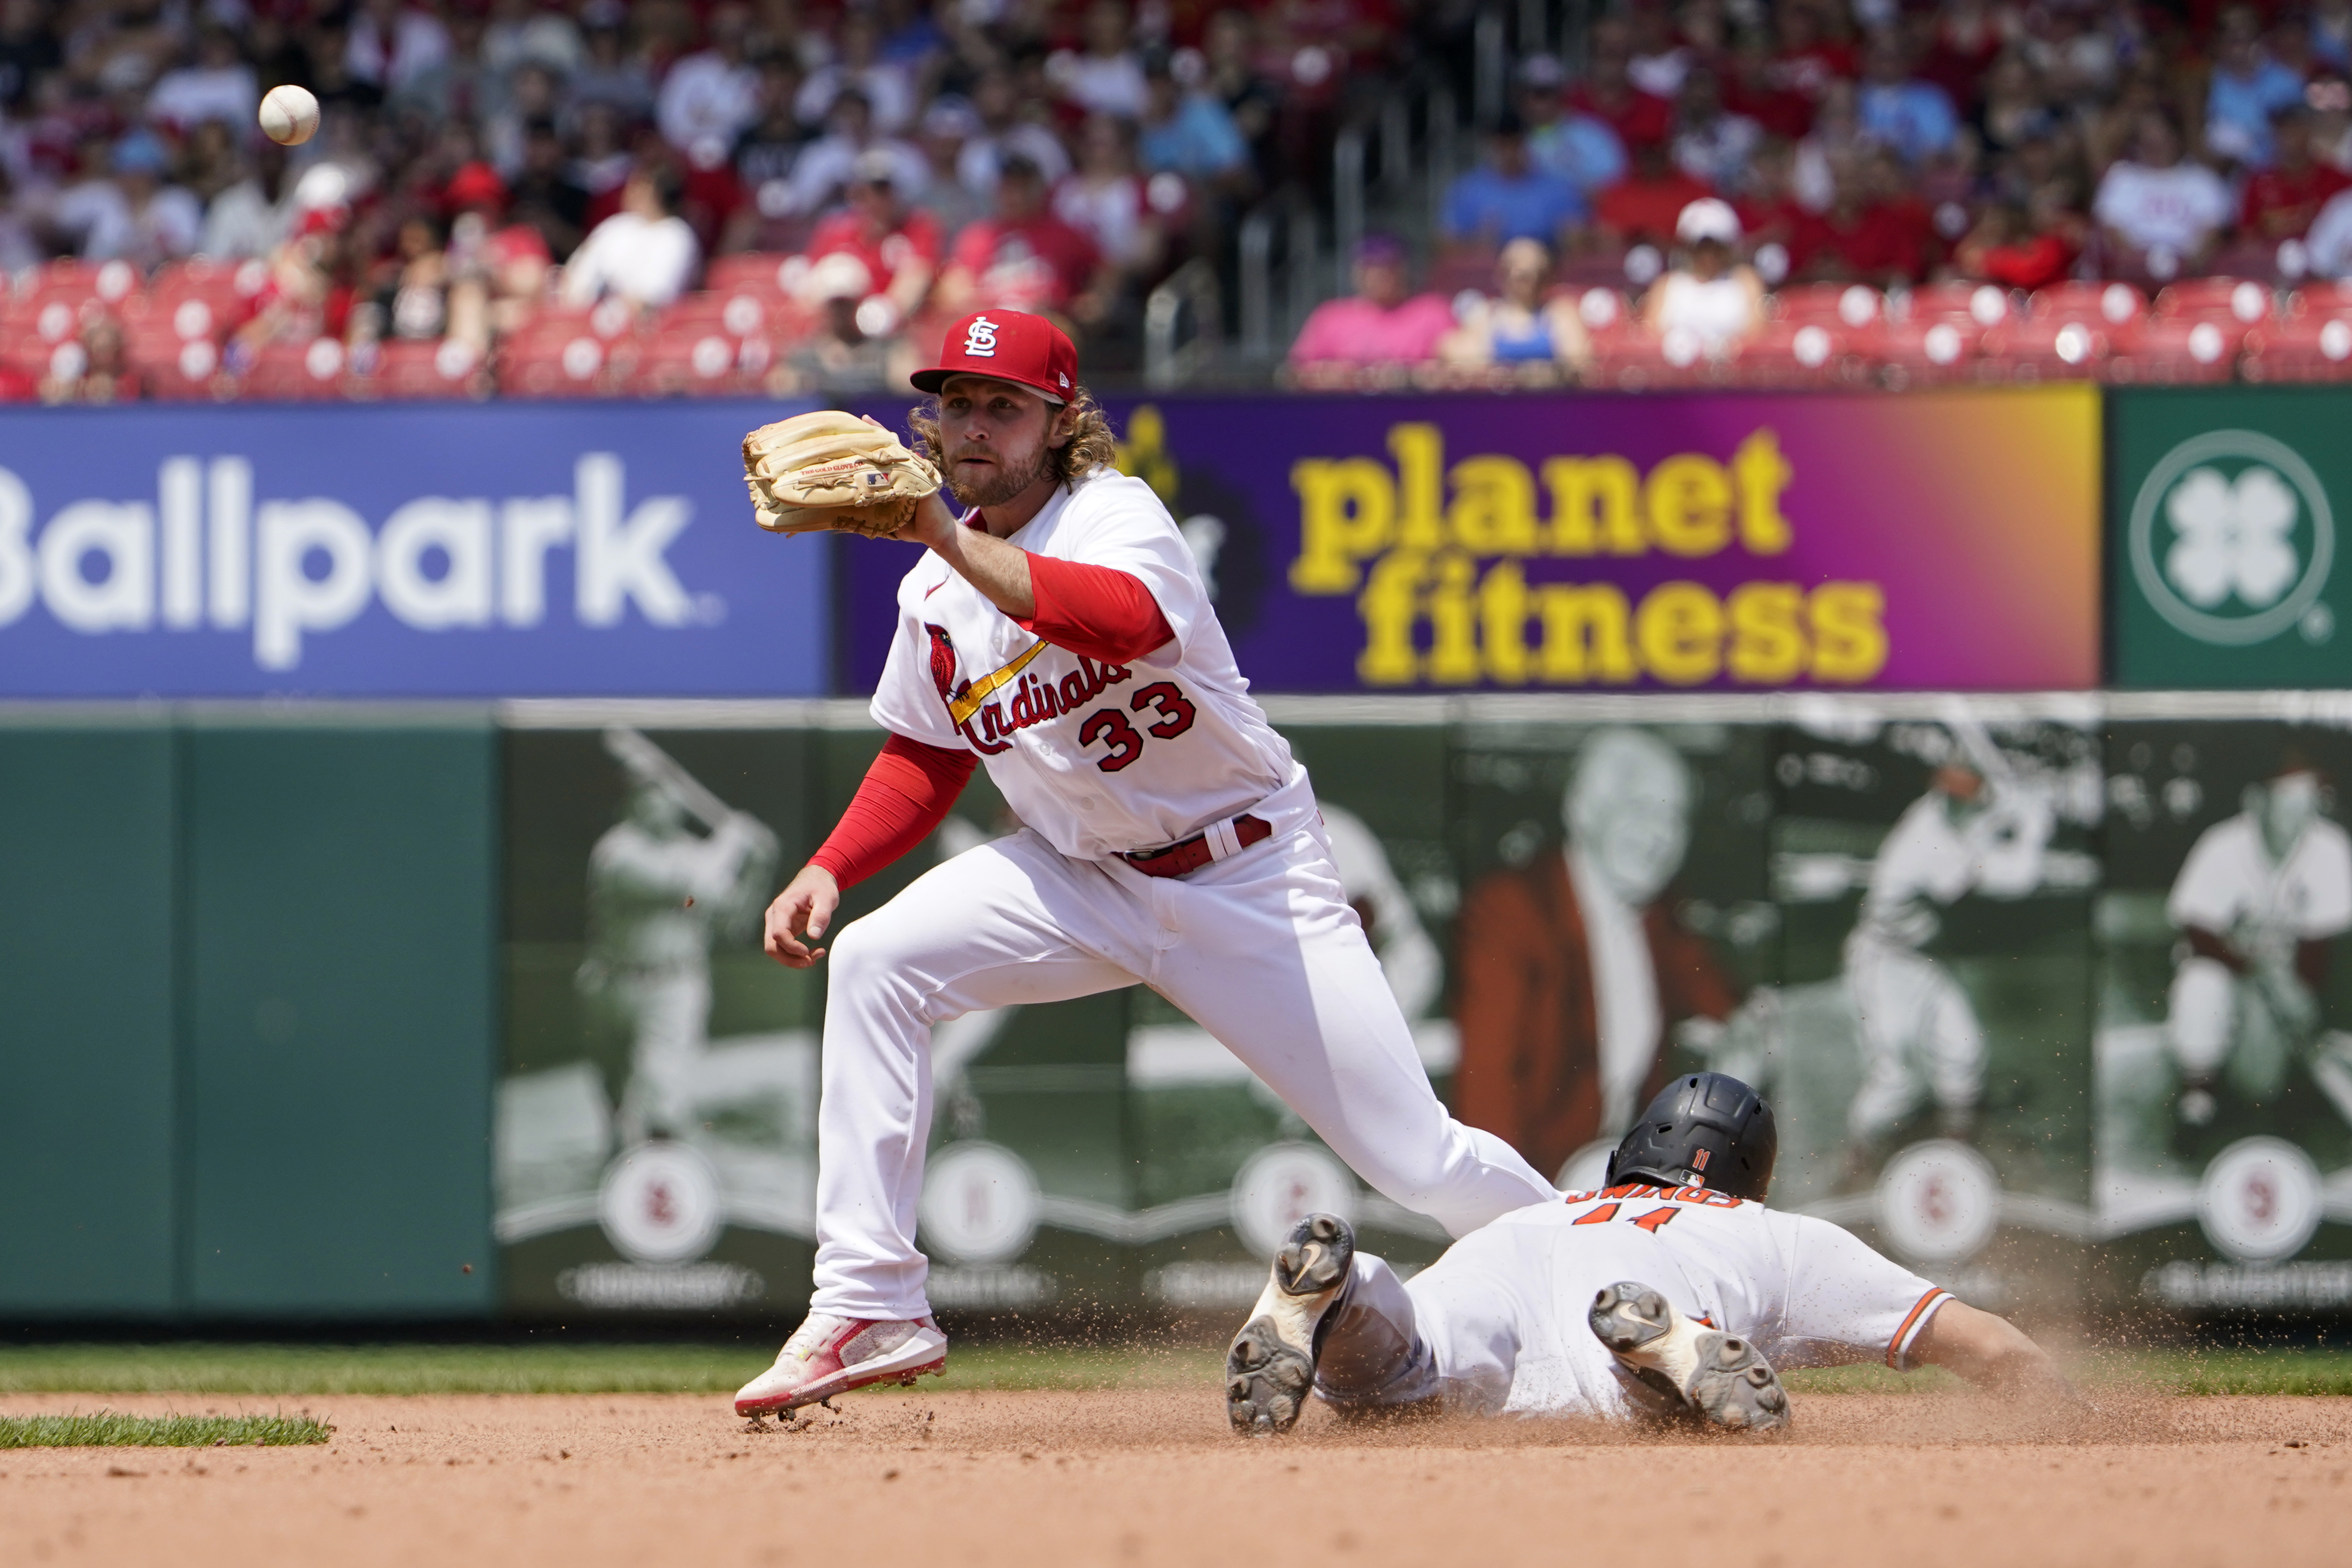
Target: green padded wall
x,y
342,1020
86,1025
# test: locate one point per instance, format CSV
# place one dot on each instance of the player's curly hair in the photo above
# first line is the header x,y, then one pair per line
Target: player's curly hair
x,y
1092,444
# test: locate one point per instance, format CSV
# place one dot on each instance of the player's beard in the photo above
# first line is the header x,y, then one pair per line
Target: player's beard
x,y
1004,480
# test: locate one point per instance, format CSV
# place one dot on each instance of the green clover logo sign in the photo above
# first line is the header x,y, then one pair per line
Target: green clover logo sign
x,y
2231,539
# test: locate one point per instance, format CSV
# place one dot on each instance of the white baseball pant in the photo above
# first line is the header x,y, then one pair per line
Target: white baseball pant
x,y
2201,1015
1919,1036
1261,949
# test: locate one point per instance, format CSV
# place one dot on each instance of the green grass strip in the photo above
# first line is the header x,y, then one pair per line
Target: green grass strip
x,y
2184,1371
108,1429
265,1369
711,1369
2234,1370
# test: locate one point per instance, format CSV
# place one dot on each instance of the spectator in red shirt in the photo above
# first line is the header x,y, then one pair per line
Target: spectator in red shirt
x,y
1809,59
2003,248
1874,232
1026,259
1642,207
898,244
1753,88
2282,200
1609,94
1968,39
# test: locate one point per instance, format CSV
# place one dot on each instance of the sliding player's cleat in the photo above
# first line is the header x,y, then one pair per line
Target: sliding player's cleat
x,y
1719,1376
1271,1366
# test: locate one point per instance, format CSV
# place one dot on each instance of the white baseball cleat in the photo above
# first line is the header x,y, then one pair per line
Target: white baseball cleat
x,y
1719,1376
1271,1365
828,1355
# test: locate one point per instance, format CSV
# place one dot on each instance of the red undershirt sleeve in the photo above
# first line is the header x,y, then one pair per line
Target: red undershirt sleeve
x,y
1098,610
904,795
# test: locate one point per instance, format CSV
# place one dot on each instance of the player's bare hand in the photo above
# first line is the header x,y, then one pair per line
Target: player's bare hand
x,y
934,524
799,918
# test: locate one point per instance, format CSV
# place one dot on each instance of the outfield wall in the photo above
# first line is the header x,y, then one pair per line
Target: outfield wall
x,y
321,1000
384,1015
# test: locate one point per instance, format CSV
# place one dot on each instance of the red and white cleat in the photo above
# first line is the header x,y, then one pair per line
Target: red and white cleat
x,y
828,1355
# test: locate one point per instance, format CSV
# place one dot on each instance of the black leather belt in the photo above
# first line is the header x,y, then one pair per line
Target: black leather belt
x,y
1191,854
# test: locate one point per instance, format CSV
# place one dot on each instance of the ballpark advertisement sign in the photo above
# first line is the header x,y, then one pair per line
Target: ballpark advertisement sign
x,y
2226,509
1945,540
408,552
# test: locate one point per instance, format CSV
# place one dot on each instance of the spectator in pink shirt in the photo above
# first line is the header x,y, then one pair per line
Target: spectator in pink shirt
x,y
1381,323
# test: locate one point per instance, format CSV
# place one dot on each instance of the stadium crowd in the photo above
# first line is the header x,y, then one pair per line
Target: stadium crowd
x,y
587,195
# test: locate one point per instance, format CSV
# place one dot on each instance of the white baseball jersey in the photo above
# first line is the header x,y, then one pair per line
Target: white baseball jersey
x,y
2229,880
1099,759
1260,946
1503,1312
1937,851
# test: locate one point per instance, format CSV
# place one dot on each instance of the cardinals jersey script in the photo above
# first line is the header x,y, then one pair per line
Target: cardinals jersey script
x,y
1498,1323
1100,759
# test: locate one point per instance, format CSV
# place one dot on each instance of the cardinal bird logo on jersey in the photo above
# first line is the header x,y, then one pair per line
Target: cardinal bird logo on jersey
x,y
943,665
985,719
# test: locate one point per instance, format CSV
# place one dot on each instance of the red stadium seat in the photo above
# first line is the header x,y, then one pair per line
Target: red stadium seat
x,y
1851,305
2319,299
1637,361
2046,349
2179,349
539,364
34,322
2307,348
738,312
1929,352
1799,353
1981,306
297,372
2236,299
700,364
176,372
448,368
109,283
1603,310
1467,267
766,272
2101,306
195,300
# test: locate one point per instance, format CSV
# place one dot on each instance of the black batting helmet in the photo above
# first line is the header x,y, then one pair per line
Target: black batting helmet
x,y
1706,1129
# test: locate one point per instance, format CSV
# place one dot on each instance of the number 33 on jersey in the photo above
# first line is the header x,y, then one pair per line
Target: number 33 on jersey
x,y
1100,759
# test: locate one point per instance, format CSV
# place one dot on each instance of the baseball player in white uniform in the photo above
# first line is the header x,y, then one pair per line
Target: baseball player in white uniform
x,y
1919,1033
2259,899
1673,1291
1060,633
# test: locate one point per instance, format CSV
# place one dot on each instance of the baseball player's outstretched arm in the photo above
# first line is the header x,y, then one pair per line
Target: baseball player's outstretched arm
x,y
1000,571
906,793
1991,1352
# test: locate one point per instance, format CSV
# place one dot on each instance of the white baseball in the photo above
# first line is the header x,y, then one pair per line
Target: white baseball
x,y
290,115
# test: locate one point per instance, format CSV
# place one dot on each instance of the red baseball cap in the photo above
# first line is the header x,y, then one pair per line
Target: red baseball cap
x,y
1006,345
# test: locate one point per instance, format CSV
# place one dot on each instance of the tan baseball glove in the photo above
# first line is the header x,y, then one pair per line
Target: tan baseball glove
x,y
830,470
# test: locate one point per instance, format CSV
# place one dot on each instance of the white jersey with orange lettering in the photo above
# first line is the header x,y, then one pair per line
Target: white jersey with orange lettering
x,y
1247,927
1497,1325
1100,759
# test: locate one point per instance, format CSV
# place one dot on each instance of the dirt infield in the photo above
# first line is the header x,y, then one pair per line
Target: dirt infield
x,y
1153,1477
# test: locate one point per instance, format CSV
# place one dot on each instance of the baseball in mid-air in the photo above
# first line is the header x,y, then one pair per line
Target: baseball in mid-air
x,y
290,115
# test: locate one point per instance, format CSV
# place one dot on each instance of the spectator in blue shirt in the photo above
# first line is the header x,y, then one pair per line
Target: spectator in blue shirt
x,y
1187,133
1898,110
2246,89
1582,149
1508,197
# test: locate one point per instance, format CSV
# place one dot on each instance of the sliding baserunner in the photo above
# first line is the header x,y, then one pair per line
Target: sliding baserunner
x,y
1671,1291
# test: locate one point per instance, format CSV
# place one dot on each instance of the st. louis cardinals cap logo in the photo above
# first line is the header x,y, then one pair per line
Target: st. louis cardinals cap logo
x,y
980,339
